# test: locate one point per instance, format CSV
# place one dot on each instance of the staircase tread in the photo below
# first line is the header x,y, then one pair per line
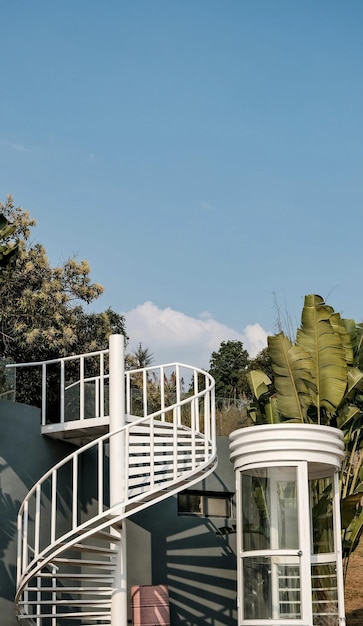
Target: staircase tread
x,y
85,562
69,602
60,575
66,590
89,548
76,614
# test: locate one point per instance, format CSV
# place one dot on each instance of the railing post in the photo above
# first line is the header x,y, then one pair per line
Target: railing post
x,y
117,418
118,462
44,394
62,394
81,388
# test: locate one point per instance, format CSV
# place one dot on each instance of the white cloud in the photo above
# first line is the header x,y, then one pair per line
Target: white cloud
x,y
173,336
15,146
206,206
205,315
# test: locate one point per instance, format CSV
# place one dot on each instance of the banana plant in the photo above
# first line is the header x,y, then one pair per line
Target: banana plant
x,y
318,379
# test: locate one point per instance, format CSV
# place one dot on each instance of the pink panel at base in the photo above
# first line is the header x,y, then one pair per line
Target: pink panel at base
x,y
150,605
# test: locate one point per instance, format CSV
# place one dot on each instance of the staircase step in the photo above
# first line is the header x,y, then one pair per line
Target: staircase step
x,y
69,602
105,621
66,576
82,547
104,536
70,590
148,497
84,563
76,614
162,464
167,456
184,438
159,426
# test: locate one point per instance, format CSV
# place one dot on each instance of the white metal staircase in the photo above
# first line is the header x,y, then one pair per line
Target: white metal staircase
x,y
70,530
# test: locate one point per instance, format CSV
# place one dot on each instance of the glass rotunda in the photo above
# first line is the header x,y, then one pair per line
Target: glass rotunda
x,y
288,525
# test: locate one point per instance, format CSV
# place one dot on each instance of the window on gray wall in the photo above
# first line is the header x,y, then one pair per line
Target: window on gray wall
x,y
205,504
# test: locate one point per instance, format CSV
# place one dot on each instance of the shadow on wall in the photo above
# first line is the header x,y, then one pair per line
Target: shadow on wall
x,y
8,513
24,457
197,564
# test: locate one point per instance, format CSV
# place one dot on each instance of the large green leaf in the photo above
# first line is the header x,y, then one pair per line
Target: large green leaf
x,y
258,382
340,329
352,534
318,338
271,412
255,414
359,346
351,329
347,415
292,367
354,383
349,508
262,409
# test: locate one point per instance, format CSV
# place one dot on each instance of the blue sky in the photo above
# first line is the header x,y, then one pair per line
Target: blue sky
x,y
202,155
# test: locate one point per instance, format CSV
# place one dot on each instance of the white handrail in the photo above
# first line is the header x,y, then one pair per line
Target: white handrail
x,y
169,438
100,379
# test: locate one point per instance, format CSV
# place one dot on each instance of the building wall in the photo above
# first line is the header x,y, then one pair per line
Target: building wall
x,y
189,554
186,552
24,457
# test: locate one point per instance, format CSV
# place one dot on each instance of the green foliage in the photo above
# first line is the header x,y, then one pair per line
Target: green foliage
x,y
262,407
8,246
41,307
292,367
232,368
315,379
319,379
323,336
141,357
228,368
263,363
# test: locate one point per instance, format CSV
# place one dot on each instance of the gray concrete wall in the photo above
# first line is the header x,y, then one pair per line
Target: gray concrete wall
x,y
24,457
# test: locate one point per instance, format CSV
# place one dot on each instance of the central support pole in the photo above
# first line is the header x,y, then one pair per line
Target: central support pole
x,y
118,459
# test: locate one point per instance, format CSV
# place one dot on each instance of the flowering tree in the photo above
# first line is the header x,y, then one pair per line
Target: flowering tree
x,y
42,313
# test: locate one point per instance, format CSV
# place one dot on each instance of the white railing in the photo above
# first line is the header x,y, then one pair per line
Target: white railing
x,y
67,381
79,388
172,444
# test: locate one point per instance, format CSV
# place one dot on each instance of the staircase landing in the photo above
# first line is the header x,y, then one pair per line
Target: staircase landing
x,y
78,432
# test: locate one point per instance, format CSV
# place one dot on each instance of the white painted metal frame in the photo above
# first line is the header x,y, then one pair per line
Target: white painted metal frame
x,y
303,550
316,452
151,458
99,381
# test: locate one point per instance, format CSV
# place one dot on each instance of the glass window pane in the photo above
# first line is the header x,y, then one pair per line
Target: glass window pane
x,y
287,516
190,503
257,603
255,511
271,588
269,508
325,595
322,515
216,506
204,504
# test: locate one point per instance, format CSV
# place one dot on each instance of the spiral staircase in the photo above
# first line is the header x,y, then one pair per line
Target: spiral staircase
x,y
139,438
